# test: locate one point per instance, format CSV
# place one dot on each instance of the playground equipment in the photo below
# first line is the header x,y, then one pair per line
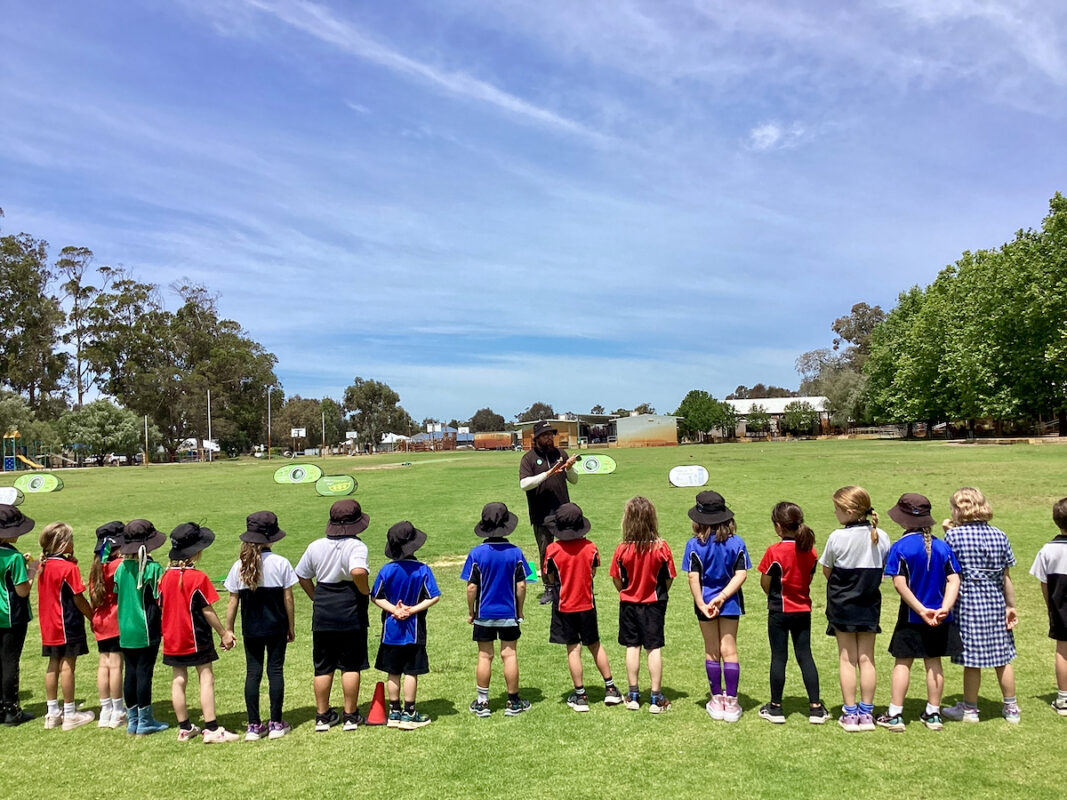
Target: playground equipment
x,y
15,453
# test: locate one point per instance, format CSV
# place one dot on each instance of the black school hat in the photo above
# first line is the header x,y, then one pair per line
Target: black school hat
x,y
710,509
568,523
346,519
140,533
496,521
912,511
188,539
13,523
262,528
402,540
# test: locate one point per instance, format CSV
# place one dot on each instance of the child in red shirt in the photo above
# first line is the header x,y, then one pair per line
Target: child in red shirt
x,y
787,569
62,610
571,562
642,569
186,595
105,623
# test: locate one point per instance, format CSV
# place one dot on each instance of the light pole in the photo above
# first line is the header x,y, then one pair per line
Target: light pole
x,y
269,390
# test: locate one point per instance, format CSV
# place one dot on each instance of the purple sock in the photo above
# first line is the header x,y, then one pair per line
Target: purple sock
x,y
733,676
714,676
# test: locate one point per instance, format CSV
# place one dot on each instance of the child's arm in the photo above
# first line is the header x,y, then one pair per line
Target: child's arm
x,y
290,612
360,578
520,597
472,598
765,583
740,576
1011,616
1044,591
618,583
697,591
231,610
952,591
422,605
929,615
227,637
826,572
83,605
23,589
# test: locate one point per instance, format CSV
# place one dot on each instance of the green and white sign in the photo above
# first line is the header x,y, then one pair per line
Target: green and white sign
x,y
10,496
595,465
335,485
39,482
298,473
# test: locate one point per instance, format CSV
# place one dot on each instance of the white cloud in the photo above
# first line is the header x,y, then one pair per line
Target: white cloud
x,y
774,136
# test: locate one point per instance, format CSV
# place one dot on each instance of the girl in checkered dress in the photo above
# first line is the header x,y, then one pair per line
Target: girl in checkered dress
x,y
986,605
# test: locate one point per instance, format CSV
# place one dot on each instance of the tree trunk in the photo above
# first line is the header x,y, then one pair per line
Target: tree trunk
x,y
1062,417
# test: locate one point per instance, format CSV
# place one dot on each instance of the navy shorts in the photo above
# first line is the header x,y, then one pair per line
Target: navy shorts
x,y
108,645
641,624
78,647
197,659
402,659
574,627
485,633
339,650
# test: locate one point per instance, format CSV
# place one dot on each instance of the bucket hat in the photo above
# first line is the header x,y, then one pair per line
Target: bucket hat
x,y
710,509
262,528
568,523
346,519
496,521
402,540
912,511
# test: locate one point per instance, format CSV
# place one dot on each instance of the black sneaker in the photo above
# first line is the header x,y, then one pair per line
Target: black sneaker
x,y
932,721
516,707
323,722
893,723
612,696
353,721
579,702
817,715
13,715
772,712
480,707
547,596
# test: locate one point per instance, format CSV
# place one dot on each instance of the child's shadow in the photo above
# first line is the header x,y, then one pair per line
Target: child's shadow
x,y
438,707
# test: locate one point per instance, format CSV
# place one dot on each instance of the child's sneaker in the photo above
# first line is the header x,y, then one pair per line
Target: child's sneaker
x,y
104,719
255,731
1059,705
276,730
772,713
410,720
714,706
187,735
865,722
633,700
353,721
613,697
731,709
394,718
817,715
77,719
959,713
219,736
850,722
579,702
323,722
658,704
932,721
14,715
53,721
118,719
515,707
893,723
480,708
1010,712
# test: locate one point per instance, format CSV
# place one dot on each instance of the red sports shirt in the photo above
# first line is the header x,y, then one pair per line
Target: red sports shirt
x,y
183,594
105,619
644,575
791,572
573,562
58,583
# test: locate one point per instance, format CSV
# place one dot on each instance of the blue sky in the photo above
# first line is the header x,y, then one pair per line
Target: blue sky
x,y
490,203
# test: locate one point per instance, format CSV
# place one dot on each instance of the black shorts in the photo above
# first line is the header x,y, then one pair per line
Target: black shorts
x,y
339,650
641,624
574,627
108,645
197,659
485,633
833,630
402,659
78,647
702,617
916,640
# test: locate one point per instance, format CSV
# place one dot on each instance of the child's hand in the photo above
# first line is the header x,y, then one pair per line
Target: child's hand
x,y
1011,617
290,635
942,615
470,619
31,567
947,524
929,616
228,640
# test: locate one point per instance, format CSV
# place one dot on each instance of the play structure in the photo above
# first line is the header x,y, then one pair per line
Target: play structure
x,y
17,455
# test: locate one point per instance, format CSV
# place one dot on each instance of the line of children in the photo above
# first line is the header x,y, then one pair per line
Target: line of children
x,y
718,563
105,623
925,574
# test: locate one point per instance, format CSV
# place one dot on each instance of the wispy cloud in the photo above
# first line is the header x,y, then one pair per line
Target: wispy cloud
x,y
774,136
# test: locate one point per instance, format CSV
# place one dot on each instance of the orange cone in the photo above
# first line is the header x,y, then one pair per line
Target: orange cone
x,y
377,715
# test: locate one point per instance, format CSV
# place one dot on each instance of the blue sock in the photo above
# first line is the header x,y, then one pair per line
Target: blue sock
x,y
866,708
714,670
851,710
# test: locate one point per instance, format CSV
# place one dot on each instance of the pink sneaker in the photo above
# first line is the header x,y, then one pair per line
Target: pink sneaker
x,y
188,735
731,709
714,706
219,735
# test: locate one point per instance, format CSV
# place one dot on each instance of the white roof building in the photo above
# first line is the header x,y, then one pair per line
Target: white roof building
x,y
775,406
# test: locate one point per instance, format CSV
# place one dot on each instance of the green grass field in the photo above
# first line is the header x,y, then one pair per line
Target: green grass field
x,y
552,751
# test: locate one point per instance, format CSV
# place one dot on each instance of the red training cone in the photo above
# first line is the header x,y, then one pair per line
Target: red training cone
x,y
377,714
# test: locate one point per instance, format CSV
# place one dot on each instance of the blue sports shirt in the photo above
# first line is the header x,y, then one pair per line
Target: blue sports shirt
x,y
717,562
907,557
410,582
495,567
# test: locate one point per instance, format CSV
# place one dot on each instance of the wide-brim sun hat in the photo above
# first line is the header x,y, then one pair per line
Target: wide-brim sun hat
x,y
188,539
140,533
262,528
346,519
496,521
568,523
710,509
912,511
543,426
402,540
13,523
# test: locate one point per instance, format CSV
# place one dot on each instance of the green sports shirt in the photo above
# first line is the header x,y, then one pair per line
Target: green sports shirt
x,y
14,610
138,609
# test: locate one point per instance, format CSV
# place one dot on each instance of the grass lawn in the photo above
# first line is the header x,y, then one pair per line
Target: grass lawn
x,y
552,751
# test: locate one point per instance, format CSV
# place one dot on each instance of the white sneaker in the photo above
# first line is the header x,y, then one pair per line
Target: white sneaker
x,y
219,735
53,720
118,719
105,718
77,719
731,709
960,713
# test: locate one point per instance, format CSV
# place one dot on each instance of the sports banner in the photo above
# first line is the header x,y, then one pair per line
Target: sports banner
x,y
688,476
11,496
39,482
298,473
335,485
595,465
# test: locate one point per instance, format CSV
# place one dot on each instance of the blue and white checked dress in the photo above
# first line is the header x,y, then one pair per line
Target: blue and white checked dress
x,y
984,553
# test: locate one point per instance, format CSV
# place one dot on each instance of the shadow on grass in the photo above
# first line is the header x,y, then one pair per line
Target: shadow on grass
x,y
438,707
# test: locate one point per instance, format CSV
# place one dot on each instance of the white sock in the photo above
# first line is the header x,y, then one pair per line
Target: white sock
x,y
105,705
932,709
52,706
117,705
69,708
895,710
483,694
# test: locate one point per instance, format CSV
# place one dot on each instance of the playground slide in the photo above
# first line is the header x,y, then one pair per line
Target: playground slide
x,y
33,464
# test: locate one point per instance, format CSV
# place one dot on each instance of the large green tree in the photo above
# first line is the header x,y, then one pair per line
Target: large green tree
x,y
485,420
374,408
102,427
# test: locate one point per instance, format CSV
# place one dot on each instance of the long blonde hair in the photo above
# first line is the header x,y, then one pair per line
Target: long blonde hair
x,y
55,539
855,501
251,572
969,504
640,525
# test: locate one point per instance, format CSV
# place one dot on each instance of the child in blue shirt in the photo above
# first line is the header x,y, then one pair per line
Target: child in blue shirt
x,y
403,590
925,574
495,572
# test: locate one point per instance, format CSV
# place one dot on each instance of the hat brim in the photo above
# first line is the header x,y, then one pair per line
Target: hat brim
x,y
207,536
22,528
502,530
407,548
910,521
568,534
339,530
702,518
153,542
255,537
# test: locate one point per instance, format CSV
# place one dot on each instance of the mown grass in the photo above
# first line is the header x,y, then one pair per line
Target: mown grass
x,y
552,751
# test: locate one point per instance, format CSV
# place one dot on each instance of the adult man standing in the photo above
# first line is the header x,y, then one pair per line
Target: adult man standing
x,y
544,472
